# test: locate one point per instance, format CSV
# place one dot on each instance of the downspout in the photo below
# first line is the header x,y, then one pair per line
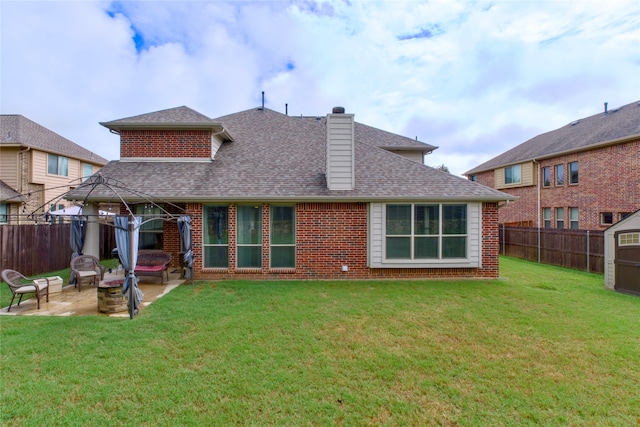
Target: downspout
x,y
539,207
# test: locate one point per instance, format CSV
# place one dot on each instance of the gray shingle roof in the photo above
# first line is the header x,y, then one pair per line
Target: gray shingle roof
x,y
17,129
9,195
583,134
381,138
275,157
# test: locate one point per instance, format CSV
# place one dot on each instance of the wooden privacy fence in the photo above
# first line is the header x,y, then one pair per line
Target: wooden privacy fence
x,y
577,249
35,249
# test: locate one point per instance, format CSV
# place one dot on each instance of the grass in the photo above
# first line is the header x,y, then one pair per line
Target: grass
x,y
542,346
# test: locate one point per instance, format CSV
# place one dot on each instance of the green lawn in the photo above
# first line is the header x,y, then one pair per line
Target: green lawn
x,y
542,346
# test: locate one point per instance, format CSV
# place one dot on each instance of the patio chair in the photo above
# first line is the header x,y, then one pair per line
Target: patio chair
x,y
21,285
87,270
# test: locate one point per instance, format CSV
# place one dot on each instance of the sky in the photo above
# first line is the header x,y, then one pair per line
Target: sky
x,y
474,78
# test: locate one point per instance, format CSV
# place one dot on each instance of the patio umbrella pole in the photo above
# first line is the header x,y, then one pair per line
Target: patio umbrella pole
x,y
131,262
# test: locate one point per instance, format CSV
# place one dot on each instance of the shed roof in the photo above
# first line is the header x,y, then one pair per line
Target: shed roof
x,y
16,129
614,126
277,157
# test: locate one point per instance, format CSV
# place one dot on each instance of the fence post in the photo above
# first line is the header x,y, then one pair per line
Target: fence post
x,y
504,239
539,244
588,269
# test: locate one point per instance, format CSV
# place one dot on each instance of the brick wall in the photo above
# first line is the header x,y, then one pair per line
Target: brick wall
x,y
609,181
330,235
165,143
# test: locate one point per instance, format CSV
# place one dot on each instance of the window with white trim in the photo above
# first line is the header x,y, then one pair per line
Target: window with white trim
x,y
87,171
606,218
559,217
57,165
573,173
559,170
573,219
546,217
425,231
512,174
546,176
629,239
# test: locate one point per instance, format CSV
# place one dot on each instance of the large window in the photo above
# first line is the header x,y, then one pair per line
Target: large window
x,y
283,237
559,169
4,211
249,236
58,165
426,231
546,176
512,174
559,217
573,173
216,236
87,171
573,219
151,229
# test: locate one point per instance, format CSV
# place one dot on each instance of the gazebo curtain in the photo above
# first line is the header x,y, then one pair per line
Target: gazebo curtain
x,y
78,234
129,260
184,226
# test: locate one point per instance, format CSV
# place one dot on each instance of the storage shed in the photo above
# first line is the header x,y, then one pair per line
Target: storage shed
x,y
622,255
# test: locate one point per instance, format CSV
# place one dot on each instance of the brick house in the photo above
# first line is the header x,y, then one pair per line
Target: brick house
x,y
585,175
275,196
37,161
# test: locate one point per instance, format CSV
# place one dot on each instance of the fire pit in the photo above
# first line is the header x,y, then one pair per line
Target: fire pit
x,y
110,297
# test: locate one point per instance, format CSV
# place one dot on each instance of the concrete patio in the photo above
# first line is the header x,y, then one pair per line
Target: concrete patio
x,y
70,302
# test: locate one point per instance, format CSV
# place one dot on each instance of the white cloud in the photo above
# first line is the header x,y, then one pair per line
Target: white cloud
x,y
474,78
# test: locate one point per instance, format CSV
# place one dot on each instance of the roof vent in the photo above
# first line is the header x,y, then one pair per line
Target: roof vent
x,y
575,122
338,110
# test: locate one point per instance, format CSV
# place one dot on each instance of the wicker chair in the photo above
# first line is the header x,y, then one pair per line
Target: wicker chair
x,y
21,285
87,270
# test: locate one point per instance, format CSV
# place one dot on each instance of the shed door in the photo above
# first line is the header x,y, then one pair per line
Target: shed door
x,y
627,261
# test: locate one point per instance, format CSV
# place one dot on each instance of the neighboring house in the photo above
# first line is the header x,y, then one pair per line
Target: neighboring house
x,y
37,166
585,175
275,196
10,202
622,255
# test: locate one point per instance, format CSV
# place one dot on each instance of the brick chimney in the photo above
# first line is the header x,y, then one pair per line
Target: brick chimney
x,y
340,169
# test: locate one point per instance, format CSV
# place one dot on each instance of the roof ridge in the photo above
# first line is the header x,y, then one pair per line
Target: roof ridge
x,y
591,131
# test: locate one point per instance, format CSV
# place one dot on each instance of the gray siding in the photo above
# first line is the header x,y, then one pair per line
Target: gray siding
x,y
376,242
340,152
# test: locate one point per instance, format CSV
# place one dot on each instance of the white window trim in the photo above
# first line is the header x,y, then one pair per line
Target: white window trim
x,y
630,239
58,157
512,168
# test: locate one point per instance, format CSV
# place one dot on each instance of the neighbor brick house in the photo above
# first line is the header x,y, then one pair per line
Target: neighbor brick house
x,y
585,175
37,166
275,196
